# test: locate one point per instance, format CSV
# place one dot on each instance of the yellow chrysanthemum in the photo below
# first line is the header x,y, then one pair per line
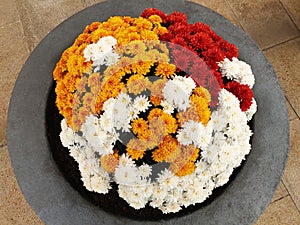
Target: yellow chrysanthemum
x,y
140,128
202,107
135,149
155,100
165,70
157,87
170,122
182,170
202,92
137,83
184,164
109,162
154,113
165,149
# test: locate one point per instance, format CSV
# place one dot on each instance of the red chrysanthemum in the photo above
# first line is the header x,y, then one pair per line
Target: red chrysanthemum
x,y
200,27
205,77
243,92
213,55
153,11
201,41
181,59
176,17
230,50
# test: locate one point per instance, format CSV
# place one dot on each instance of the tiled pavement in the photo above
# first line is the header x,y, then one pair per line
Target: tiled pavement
x,y
273,24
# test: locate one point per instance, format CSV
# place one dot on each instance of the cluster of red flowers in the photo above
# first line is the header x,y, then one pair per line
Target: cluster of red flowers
x,y
201,50
242,92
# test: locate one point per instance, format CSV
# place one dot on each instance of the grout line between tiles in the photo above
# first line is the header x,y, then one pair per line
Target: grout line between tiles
x,y
282,197
298,116
287,12
280,43
235,15
290,196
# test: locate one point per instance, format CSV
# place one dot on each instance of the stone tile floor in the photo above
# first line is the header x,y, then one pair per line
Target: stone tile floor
x,y
273,24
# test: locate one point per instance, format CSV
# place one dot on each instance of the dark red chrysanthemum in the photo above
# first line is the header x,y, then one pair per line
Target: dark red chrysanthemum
x,y
201,41
179,41
176,17
230,50
200,27
167,37
243,92
153,11
213,55
205,77
181,59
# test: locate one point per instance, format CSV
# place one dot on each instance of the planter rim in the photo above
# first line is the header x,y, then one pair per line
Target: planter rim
x,y
52,197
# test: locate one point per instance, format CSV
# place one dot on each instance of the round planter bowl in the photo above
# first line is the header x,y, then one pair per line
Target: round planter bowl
x,y
52,197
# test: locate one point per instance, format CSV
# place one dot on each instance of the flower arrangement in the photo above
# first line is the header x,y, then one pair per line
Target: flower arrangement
x,y
157,105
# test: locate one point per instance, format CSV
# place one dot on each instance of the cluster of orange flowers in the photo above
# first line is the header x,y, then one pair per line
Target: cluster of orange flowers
x,y
81,92
72,66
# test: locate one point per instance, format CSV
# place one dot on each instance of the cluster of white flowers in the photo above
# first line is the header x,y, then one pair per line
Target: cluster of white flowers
x,y
237,70
177,92
224,141
93,176
102,52
195,133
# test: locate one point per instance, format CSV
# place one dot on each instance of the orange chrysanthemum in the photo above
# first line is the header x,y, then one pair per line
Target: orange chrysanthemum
x,y
109,162
140,128
165,149
72,65
202,92
135,149
165,70
155,100
137,83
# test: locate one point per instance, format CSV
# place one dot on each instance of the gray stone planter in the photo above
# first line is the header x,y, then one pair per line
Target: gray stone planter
x,y
56,202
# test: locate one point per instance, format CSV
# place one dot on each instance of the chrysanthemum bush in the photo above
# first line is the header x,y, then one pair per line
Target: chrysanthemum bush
x,y
157,105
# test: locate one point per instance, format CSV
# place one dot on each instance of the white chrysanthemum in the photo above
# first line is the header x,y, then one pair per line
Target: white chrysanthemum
x,y
227,100
172,207
145,170
223,178
141,103
167,107
107,41
87,182
219,121
67,135
109,105
126,175
156,202
91,52
253,108
123,99
106,122
177,92
168,179
183,137
237,70
187,83
111,58
102,52
196,133
99,184
201,165
210,154
125,160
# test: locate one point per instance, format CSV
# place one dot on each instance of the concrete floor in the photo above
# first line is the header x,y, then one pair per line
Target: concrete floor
x,y
273,24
